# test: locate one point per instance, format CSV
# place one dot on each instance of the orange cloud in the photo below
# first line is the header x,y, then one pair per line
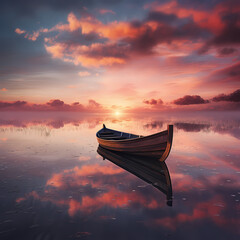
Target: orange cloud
x,y
52,105
111,198
79,177
56,50
88,56
3,90
19,31
79,174
210,209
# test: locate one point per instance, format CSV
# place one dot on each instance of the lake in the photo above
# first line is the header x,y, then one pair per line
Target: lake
x,y
54,184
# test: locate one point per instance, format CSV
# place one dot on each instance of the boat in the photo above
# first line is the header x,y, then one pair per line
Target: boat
x,y
157,145
149,170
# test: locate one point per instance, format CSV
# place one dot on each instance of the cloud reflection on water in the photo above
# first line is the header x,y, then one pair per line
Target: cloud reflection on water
x,y
62,174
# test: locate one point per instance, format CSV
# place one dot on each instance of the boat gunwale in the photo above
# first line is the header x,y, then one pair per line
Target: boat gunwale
x,y
131,139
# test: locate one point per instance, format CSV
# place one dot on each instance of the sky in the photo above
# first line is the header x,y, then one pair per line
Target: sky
x,y
119,55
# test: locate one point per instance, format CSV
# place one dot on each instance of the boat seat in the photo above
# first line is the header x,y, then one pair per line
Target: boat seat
x,y
114,138
106,133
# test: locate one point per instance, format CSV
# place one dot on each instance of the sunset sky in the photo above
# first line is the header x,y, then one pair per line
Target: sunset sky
x,y
119,55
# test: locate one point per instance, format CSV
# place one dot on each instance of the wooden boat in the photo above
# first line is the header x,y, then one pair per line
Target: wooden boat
x,y
157,145
149,170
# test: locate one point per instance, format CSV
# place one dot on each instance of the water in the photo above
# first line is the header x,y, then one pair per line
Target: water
x,y
54,185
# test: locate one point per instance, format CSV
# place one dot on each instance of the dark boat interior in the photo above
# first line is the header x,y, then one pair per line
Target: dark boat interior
x,y
109,134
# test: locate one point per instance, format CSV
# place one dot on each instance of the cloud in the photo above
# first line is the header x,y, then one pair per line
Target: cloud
x,y
113,42
16,104
221,21
153,101
231,32
232,97
93,55
227,77
56,50
161,17
231,71
19,31
93,104
52,105
92,42
227,51
3,90
188,100
84,74
55,103
75,103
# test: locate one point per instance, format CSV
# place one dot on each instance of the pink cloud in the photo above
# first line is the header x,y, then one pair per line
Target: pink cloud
x,y
187,103
232,97
16,104
137,38
52,105
93,104
188,100
55,103
153,102
19,31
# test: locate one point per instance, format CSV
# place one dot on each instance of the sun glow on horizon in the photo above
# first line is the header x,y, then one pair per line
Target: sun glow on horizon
x,y
117,113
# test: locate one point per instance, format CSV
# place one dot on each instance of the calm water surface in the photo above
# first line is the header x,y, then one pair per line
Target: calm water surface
x,y
54,184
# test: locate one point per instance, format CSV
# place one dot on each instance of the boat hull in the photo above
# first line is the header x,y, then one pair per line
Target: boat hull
x,y
157,145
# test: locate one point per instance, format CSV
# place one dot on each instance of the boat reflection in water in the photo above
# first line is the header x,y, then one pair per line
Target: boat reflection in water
x,y
148,169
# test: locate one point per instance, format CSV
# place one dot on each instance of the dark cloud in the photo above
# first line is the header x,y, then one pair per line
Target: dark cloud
x,y
228,75
12,104
227,51
75,103
153,101
233,71
226,78
161,17
79,38
232,97
189,100
142,40
52,105
118,50
229,35
55,103
164,33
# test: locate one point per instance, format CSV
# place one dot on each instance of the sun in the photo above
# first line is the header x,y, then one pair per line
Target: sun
x,y
117,113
